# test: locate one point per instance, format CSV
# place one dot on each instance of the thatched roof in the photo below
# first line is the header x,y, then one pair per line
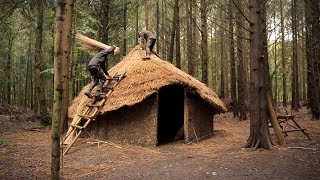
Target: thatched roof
x,y
144,78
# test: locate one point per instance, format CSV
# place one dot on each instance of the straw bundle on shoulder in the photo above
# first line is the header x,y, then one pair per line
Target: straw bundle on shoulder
x,y
89,44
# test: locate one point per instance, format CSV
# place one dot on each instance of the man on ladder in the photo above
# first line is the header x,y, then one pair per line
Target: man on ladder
x,y
98,70
150,39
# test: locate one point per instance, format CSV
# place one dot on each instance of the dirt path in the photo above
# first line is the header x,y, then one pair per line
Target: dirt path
x,y
26,155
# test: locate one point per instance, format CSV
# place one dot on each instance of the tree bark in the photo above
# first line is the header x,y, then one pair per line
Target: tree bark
x,y
195,38
223,75
45,118
73,53
284,61
190,51
178,51
158,27
275,64
204,41
242,78
137,23
146,13
259,131
105,23
28,72
55,153
313,56
125,17
232,63
295,77
173,32
66,48
8,69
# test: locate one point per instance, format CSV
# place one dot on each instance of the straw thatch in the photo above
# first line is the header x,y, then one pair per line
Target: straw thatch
x,y
144,78
90,44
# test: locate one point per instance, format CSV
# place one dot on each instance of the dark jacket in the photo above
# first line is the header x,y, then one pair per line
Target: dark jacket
x,y
101,58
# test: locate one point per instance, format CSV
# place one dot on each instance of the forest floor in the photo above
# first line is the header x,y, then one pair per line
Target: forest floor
x,y
25,153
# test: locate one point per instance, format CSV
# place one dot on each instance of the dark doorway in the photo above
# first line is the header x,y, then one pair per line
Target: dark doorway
x,y
170,113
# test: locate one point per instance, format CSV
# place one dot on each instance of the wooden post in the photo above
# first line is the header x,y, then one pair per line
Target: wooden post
x,y
274,121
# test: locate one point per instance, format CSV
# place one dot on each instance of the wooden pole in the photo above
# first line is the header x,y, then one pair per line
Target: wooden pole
x,y
274,121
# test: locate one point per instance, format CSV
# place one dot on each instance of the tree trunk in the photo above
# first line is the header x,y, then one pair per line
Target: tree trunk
x,y
163,29
8,68
105,24
190,51
242,78
28,72
137,23
216,72
73,53
125,9
55,153
173,31
232,63
45,118
178,51
204,41
66,49
222,62
146,13
295,80
158,27
313,56
105,21
259,130
275,64
195,38
284,61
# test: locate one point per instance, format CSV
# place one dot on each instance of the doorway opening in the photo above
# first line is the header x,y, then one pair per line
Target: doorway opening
x,y
170,114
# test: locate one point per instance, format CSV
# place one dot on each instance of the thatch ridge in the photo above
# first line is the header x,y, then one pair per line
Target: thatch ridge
x,y
144,78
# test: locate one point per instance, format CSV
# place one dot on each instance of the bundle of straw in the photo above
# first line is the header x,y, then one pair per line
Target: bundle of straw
x,y
88,44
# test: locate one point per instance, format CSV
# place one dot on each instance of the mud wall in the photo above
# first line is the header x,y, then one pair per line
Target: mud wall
x,y
198,118
129,125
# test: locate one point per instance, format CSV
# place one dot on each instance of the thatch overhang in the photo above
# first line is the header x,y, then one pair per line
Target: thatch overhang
x,y
144,78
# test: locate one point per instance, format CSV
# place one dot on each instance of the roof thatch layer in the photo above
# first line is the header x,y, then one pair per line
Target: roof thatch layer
x,y
144,78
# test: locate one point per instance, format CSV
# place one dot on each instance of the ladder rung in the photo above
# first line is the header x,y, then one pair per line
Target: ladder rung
x,y
113,78
121,76
85,116
109,88
103,96
93,105
76,126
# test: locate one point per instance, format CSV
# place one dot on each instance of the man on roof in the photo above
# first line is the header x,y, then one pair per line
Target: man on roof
x,y
147,41
98,70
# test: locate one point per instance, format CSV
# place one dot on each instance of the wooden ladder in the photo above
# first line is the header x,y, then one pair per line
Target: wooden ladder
x,y
91,110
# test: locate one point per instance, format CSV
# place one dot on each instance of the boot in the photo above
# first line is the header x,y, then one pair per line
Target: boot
x,y
99,90
88,92
147,56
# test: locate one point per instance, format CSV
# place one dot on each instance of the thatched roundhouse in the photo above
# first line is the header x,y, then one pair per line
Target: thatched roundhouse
x,y
155,103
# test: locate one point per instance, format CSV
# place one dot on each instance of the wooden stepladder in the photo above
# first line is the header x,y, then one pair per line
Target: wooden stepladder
x,y
91,111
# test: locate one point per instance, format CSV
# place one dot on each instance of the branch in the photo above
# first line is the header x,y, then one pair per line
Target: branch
x,y
232,17
241,12
27,14
228,30
222,27
14,7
